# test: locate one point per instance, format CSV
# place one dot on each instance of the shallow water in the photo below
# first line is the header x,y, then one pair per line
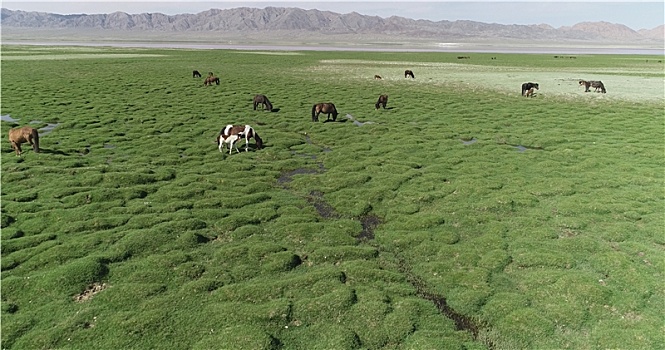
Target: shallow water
x,y
433,47
8,118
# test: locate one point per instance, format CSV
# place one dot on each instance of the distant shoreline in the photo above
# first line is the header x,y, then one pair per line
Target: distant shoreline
x,y
377,47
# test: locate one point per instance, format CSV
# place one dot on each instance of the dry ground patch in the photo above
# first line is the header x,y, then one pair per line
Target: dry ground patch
x,y
634,84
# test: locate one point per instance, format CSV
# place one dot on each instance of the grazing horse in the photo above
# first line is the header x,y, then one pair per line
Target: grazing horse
x,y
196,74
596,84
232,133
377,77
383,100
211,79
528,86
327,108
262,99
531,92
409,73
18,136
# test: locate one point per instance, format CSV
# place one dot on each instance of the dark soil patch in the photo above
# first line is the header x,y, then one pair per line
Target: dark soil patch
x,y
369,223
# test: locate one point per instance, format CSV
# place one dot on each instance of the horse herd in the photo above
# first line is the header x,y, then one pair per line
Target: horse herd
x,y
232,133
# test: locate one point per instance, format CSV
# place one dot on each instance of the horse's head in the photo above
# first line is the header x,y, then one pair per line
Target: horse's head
x,y
259,141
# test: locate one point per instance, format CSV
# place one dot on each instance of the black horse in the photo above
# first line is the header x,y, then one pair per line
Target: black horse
x,y
327,108
596,84
409,73
528,86
262,99
196,74
383,101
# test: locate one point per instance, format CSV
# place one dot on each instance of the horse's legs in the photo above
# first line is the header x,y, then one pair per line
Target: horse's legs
x,y
246,144
17,148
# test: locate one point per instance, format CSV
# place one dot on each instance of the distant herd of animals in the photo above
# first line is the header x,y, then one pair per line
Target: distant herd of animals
x,y
232,133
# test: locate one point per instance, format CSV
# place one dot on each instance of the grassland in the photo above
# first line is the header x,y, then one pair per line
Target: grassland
x,y
464,216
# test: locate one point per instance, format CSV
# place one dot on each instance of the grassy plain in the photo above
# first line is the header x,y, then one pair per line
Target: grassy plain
x,y
464,216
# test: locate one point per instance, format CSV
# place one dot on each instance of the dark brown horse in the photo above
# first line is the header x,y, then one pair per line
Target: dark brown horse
x,y
383,100
377,77
327,108
409,73
196,74
18,136
596,84
232,133
211,79
262,99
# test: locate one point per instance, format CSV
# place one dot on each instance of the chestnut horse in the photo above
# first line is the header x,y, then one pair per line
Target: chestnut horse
x,y
211,79
262,99
327,108
232,133
18,136
409,73
596,84
383,100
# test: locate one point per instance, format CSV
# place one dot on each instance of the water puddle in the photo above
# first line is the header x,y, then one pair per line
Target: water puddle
x,y
8,118
469,141
521,148
288,176
109,146
48,128
355,122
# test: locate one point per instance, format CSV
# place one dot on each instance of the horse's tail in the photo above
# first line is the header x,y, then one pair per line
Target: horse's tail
x,y
35,140
314,112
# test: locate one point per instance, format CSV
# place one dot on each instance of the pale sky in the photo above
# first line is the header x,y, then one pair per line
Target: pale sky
x,y
634,14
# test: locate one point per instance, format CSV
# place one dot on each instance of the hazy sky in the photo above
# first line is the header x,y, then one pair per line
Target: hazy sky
x,y
634,14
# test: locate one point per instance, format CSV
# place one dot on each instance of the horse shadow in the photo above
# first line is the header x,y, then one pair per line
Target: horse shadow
x,y
275,110
335,121
49,151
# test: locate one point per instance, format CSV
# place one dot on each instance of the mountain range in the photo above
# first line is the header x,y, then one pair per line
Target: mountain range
x,y
314,22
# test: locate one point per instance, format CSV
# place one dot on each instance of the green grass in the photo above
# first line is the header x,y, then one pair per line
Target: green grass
x,y
555,245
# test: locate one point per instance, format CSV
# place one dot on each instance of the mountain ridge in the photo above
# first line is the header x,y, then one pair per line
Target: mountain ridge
x,y
291,19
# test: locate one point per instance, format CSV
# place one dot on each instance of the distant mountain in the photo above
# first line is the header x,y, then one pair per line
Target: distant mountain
x,y
271,19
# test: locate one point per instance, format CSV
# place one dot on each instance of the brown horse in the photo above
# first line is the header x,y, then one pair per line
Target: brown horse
x,y
262,99
596,84
232,133
18,136
377,77
409,73
327,108
383,100
211,79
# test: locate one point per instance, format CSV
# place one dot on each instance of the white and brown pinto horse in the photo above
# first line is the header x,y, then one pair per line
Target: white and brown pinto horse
x,y
232,133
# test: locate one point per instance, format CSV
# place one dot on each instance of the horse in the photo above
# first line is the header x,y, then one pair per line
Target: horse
x,y
528,86
211,79
409,73
327,108
232,133
377,77
383,100
196,74
596,84
262,99
17,136
531,92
